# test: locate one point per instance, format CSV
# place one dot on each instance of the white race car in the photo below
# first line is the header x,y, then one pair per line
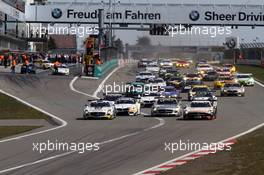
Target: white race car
x,y
200,109
245,79
99,109
128,106
148,99
157,82
152,67
166,63
61,70
204,68
145,75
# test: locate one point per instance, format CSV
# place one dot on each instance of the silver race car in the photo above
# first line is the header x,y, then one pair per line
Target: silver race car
x,y
235,89
200,109
167,107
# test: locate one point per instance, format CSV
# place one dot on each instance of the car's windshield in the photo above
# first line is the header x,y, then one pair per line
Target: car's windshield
x,y
125,102
152,94
145,73
200,89
175,79
112,97
192,75
169,89
200,105
232,85
243,76
211,73
100,104
166,102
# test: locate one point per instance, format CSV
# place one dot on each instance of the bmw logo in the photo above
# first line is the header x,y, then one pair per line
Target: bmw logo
x,y
56,13
194,15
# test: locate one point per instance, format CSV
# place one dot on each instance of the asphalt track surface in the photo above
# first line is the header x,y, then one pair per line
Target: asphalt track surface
x,y
130,144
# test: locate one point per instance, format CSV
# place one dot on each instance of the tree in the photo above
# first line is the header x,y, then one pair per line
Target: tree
x,y
144,41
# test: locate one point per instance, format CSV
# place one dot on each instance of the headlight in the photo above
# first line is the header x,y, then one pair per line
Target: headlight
x,y
154,109
109,112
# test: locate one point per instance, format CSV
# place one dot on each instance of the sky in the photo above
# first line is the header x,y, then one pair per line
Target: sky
x,y
245,33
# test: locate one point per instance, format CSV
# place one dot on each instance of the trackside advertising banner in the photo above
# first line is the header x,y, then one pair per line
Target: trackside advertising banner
x,y
150,13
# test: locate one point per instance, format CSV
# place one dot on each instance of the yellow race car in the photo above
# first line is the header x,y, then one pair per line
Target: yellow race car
x,y
222,80
196,89
231,67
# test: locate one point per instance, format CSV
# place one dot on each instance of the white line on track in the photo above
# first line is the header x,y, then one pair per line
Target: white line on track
x,y
161,123
63,122
191,153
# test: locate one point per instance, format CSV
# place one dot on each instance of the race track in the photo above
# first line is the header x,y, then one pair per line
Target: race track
x,y
128,144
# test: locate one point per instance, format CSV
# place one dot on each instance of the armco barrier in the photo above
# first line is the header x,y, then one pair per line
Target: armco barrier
x,y
100,70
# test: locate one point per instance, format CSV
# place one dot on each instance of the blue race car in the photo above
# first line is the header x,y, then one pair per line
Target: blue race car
x,y
169,92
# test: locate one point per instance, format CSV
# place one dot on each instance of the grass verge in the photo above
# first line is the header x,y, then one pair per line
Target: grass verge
x,y
258,72
13,109
6,131
245,158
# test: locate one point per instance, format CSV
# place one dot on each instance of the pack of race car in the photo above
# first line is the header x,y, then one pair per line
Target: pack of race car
x,y
162,88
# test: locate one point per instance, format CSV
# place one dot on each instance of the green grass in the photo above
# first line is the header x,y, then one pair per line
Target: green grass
x,y
245,158
258,72
12,109
6,131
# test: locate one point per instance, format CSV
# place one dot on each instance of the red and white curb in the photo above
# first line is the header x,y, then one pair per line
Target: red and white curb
x,y
182,160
